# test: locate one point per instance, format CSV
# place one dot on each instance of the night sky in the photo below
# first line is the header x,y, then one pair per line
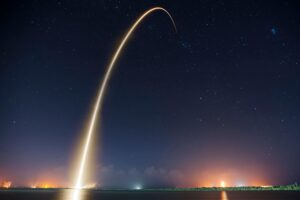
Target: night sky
x,y
218,100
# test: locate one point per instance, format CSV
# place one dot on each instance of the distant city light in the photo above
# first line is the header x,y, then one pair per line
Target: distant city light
x,y
45,185
222,184
137,187
240,184
7,184
266,186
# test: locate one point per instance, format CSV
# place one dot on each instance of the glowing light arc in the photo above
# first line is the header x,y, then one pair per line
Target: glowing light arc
x,y
101,92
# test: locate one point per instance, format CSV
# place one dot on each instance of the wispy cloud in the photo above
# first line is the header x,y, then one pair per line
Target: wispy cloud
x,y
112,176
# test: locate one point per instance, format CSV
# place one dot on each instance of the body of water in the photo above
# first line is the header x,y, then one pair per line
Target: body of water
x,y
145,195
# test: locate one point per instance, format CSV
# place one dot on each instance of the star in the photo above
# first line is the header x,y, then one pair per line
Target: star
x,y
274,31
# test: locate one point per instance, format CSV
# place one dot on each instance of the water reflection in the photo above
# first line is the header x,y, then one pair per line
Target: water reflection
x,y
68,194
224,195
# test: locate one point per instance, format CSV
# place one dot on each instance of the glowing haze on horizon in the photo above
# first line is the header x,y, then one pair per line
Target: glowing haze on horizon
x,y
199,179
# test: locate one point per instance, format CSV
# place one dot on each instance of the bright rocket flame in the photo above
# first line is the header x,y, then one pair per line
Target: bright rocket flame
x,y
98,103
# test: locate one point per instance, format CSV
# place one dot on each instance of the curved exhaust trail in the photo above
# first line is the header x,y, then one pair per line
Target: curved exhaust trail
x,y
100,95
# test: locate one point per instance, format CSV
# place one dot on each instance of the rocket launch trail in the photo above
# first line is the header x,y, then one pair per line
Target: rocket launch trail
x,y
100,96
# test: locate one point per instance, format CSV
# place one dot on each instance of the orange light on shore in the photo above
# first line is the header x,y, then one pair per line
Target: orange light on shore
x,y
7,184
266,186
43,185
223,184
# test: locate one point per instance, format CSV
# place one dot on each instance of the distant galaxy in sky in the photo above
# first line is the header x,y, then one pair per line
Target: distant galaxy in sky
x,y
217,101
